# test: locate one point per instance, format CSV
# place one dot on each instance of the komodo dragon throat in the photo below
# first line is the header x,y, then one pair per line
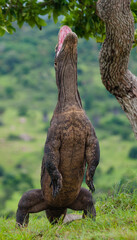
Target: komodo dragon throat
x,y
71,143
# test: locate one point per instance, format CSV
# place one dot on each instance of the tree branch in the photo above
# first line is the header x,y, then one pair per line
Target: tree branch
x,y
114,55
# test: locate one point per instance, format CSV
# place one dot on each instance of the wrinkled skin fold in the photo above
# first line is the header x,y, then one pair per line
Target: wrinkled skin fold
x,y
71,144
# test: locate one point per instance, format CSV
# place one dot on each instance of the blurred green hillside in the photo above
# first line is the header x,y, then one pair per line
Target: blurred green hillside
x,y
28,95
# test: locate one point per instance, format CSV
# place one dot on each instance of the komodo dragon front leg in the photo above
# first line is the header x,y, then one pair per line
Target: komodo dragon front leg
x,y
52,158
92,154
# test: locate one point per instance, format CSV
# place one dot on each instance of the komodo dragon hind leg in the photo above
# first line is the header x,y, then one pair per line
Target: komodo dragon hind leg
x,y
31,202
84,202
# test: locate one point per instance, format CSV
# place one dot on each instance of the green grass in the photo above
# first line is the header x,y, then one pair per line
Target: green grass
x,y
116,219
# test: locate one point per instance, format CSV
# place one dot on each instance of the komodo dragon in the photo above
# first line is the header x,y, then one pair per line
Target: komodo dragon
x,y
71,143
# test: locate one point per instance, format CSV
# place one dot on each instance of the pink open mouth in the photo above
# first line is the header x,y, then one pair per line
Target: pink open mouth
x,y
62,34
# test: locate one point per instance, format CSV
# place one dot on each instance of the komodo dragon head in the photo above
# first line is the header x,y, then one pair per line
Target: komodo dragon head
x,y
66,70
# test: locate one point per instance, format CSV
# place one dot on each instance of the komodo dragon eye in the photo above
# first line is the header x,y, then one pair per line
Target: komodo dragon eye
x,y
55,64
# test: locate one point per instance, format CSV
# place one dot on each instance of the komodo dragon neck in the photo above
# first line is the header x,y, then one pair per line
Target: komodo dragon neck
x,y
66,71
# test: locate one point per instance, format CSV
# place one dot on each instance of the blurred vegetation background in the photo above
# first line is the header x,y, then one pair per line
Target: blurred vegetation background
x,y
28,95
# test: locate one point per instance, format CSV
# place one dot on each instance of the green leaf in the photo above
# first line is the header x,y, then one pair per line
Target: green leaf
x,y
55,16
20,23
40,21
31,23
11,29
4,28
134,6
2,31
2,2
87,26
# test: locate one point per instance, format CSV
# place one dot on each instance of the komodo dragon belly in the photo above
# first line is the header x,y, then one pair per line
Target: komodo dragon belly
x,y
72,162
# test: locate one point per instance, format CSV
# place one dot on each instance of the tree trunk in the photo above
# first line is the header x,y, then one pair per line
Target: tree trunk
x,y
114,55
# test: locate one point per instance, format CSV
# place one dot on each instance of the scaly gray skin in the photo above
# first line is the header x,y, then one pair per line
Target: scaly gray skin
x,y
71,143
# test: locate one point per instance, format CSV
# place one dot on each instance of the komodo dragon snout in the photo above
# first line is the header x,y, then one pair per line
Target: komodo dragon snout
x,y
67,42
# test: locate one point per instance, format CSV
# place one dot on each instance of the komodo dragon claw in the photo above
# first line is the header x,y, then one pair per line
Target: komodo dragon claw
x,y
57,185
92,188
